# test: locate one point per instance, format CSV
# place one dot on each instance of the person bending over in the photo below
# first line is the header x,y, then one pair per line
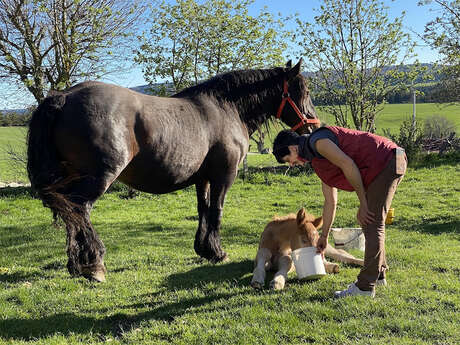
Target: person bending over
x,y
351,160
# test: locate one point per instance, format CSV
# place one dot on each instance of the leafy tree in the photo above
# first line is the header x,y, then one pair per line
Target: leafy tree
x,y
50,44
443,34
351,45
190,41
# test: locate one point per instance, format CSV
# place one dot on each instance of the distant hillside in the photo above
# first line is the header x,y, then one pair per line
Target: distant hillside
x,y
431,70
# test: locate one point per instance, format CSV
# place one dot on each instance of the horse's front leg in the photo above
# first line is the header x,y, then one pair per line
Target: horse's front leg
x,y
203,200
208,244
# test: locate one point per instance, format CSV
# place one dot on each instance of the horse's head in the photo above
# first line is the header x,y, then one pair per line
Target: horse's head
x,y
296,108
307,228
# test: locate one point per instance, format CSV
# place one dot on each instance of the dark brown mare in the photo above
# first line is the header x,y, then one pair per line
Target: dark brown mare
x,y
84,138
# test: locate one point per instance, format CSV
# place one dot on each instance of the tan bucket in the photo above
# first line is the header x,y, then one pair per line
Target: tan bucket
x,y
348,238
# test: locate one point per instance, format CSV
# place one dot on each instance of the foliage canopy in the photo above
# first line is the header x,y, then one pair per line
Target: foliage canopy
x,y
51,44
443,34
190,41
350,45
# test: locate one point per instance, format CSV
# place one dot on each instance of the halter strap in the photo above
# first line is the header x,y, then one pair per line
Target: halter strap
x,y
287,98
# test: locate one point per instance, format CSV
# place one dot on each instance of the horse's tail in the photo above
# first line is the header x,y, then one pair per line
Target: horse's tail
x,y
46,175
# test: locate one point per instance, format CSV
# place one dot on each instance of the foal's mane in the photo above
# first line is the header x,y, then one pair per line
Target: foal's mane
x,y
247,89
292,216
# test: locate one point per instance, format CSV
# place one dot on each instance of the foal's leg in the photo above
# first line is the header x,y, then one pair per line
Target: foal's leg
x,y
284,266
330,267
342,256
262,262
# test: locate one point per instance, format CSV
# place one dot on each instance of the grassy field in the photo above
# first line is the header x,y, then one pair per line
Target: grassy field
x,y
390,118
393,114
11,138
158,292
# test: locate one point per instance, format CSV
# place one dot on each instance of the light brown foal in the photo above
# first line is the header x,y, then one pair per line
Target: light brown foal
x,y
283,235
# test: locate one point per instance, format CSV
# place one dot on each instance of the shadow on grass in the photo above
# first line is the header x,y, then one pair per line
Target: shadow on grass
x,y
20,277
436,227
233,271
114,325
10,192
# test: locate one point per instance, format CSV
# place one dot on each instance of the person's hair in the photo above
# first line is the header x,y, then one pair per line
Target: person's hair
x,y
281,144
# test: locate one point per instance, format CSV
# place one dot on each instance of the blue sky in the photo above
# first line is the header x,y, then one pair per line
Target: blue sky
x,y
415,19
414,22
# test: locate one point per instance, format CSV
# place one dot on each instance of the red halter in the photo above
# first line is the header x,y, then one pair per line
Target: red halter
x,y
303,118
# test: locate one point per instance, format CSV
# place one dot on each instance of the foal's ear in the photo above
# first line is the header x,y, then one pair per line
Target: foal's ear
x,y
294,71
318,222
289,64
301,216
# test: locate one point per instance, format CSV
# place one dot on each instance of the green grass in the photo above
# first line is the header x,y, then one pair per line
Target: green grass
x,y
11,138
158,292
392,115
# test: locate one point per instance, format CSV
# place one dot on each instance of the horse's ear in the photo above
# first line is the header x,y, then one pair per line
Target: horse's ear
x,y
289,64
294,71
318,222
300,216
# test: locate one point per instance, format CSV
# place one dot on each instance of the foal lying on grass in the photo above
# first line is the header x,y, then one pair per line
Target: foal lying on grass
x,y
283,235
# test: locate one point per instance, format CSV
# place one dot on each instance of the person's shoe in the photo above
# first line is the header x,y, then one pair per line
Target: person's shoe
x,y
353,290
381,282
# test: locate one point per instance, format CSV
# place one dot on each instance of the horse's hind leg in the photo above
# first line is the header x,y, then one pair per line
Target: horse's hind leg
x,y
85,250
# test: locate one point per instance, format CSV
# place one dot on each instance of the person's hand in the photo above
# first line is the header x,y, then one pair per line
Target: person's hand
x,y
321,245
364,216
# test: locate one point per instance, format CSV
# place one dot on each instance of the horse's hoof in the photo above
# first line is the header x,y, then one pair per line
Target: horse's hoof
x,y
257,285
98,277
223,258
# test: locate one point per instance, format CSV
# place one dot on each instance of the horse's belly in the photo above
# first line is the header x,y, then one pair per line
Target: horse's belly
x,y
157,177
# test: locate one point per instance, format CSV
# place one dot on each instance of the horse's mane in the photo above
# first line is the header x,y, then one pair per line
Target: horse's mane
x,y
225,85
244,88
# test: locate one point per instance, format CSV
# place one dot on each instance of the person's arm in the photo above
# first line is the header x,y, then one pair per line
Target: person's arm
x,y
330,204
336,156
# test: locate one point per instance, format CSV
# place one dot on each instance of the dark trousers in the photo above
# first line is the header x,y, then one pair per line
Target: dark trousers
x,y
379,196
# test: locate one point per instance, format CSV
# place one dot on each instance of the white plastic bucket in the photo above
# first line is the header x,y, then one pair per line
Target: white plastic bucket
x,y
308,264
348,238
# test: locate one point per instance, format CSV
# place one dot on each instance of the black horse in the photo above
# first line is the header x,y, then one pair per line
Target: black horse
x,y
82,139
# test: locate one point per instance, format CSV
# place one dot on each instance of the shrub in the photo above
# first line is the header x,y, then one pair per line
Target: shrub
x,y
410,138
438,127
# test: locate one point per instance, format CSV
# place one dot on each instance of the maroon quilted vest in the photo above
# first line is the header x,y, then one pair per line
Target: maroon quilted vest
x,y
370,152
